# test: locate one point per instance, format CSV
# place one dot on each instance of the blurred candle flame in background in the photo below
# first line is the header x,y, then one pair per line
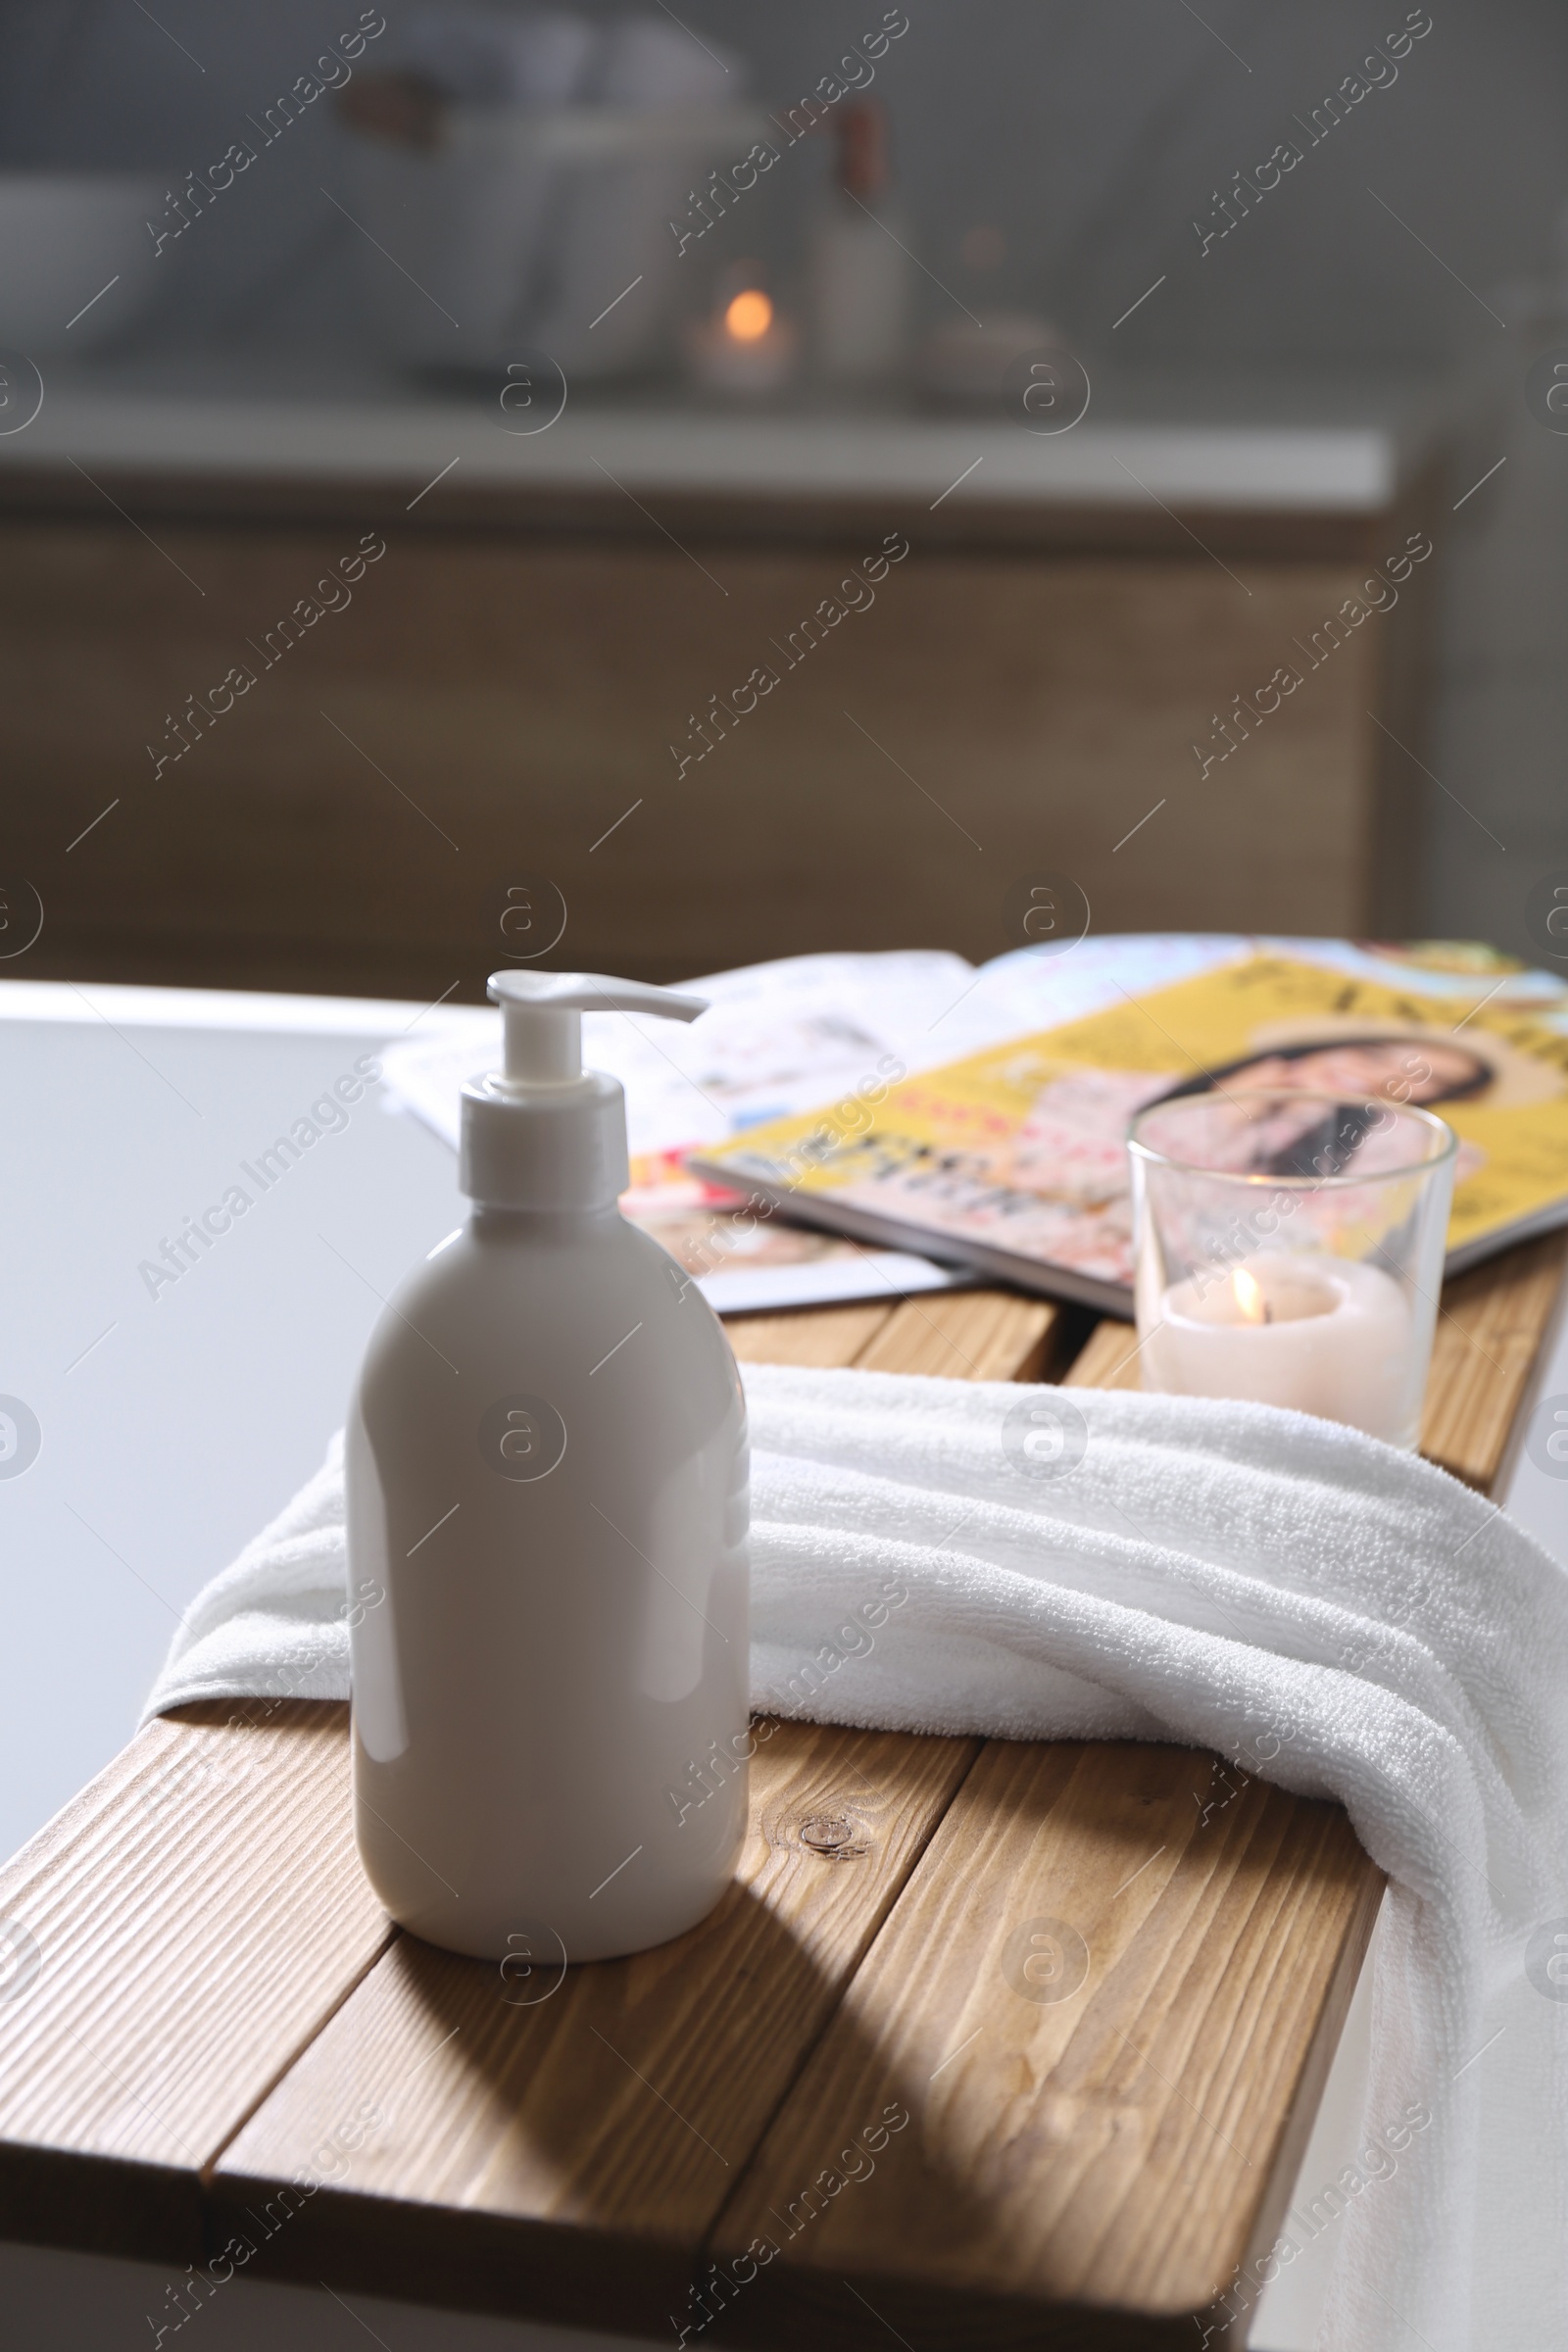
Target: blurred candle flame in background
x,y
749,317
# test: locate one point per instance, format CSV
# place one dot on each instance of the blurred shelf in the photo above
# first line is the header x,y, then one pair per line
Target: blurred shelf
x,y
1308,470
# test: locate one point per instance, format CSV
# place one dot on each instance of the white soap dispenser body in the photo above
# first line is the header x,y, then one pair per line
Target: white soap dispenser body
x,y
546,1510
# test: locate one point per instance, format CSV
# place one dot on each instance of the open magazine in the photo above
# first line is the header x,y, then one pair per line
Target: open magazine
x,y
1010,1160
779,1038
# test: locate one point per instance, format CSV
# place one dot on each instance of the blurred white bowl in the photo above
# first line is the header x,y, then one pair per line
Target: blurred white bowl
x,y
528,225
64,236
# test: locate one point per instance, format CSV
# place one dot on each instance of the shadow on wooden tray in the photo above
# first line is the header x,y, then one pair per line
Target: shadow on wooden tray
x,y
562,2143
785,2125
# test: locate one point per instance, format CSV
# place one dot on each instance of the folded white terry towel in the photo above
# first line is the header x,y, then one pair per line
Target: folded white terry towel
x,y
1337,1617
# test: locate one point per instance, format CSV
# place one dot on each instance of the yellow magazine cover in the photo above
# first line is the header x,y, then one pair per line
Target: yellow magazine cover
x,y
1013,1160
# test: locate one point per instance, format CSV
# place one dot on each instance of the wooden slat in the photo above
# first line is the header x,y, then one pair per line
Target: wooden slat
x,y
1489,1333
1115,2150
959,1335
963,1335
820,1335
563,2160
1107,1359
1488,1336
198,1910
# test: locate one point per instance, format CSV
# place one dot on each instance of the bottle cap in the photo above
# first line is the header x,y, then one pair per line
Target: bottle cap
x,y
542,1131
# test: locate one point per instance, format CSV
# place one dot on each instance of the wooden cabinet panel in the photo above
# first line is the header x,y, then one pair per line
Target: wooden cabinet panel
x,y
492,706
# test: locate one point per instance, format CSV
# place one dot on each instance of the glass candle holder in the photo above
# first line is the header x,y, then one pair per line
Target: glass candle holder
x,y
1289,1251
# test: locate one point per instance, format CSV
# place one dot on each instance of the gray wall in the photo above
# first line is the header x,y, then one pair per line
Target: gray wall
x,y
1088,131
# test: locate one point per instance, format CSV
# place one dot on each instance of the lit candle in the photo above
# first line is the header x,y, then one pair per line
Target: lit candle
x,y
746,348
1325,1335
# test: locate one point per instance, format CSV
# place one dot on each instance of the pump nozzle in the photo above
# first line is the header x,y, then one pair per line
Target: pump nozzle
x,y
542,1131
543,1016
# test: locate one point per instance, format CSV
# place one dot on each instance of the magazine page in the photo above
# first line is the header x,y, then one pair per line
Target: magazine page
x,y
1017,1153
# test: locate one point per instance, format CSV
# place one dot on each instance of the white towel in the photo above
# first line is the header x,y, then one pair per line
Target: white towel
x,y
1332,1615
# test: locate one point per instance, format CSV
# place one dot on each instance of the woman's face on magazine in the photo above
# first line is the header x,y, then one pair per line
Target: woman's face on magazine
x,y
1403,1071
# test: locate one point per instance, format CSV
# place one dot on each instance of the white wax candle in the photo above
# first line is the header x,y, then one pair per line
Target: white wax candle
x,y
1325,1335
749,350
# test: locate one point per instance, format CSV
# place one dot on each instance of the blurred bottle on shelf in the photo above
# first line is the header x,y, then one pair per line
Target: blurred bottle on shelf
x,y
860,281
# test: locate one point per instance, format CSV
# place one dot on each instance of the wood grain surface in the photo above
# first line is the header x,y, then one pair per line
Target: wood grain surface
x,y
819,1336
1107,1359
963,1335
1125,1956
1489,1333
196,1912
955,1335
595,2117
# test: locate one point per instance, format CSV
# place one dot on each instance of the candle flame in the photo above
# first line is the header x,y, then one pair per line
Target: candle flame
x,y
1250,1297
749,317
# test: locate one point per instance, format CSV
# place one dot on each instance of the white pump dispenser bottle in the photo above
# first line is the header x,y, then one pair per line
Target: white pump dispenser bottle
x,y
547,1514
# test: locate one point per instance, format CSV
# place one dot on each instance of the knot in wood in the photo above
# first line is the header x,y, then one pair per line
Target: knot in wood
x,y
832,1836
